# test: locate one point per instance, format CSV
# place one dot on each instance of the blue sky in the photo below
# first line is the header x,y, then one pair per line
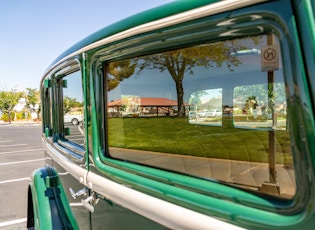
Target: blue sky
x,y
34,32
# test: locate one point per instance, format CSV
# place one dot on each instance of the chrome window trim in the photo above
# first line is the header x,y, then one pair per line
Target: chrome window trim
x,y
77,171
70,150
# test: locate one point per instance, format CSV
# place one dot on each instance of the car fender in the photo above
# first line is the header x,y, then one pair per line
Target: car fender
x,y
48,206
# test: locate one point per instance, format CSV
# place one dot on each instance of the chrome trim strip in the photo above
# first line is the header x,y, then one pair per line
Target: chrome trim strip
x,y
204,11
75,170
158,210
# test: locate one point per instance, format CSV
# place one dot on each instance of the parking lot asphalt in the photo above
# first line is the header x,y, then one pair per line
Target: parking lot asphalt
x,y
21,152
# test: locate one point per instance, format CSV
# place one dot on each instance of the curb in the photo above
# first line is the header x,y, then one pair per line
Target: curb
x,y
14,123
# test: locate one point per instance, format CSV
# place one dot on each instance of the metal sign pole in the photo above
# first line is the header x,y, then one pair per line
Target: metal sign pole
x,y
272,137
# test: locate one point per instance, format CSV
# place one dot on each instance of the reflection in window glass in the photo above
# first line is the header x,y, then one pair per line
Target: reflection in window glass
x,y
211,111
205,107
73,109
255,107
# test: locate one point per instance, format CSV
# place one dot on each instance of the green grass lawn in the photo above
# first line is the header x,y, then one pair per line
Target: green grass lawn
x,y
177,136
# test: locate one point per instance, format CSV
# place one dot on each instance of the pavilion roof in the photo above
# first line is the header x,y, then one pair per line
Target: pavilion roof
x,y
145,101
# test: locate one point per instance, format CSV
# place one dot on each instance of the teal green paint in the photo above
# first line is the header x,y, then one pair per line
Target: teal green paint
x,y
94,121
47,83
66,131
41,205
305,37
40,202
47,132
305,115
306,30
85,79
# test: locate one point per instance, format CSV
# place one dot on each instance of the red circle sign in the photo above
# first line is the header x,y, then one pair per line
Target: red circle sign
x,y
270,54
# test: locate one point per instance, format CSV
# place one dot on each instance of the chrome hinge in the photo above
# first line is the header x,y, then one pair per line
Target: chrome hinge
x,y
78,193
88,202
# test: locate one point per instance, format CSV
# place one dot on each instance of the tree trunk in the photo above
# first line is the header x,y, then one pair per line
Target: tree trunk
x,y
180,98
177,71
10,117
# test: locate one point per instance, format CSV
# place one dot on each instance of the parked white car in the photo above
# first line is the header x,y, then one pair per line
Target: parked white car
x,y
75,119
202,113
214,113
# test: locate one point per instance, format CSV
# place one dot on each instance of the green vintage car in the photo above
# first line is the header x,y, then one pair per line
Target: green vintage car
x,y
251,167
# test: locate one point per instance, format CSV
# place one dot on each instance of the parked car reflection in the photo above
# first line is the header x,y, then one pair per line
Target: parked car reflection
x,y
74,119
213,113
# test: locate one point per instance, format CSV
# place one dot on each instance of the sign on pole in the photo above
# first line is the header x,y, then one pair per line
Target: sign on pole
x,y
270,58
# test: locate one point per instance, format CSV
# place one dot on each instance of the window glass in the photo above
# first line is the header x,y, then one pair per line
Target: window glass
x,y
205,107
73,110
213,111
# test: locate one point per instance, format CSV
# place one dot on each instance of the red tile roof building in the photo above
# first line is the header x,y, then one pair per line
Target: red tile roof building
x,y
142,106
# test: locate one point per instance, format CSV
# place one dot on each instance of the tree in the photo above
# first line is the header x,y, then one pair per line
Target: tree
x,y
68,103
32,101
8,99
263,96
118,71
242,93
195,99
180,62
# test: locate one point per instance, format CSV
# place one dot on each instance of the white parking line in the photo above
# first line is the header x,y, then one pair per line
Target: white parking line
x,y
21,151
21,162
11,222
15,180
2,146
5,141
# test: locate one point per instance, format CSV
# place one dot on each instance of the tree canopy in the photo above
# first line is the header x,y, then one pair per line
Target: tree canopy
x,y
177,63
118,71
182,61
33,100
68,103
8,100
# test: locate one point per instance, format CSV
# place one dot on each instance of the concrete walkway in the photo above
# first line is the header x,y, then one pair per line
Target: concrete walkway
x,y
20,123
250,175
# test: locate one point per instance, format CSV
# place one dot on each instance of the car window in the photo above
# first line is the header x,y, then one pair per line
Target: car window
x,y
73,108
214,111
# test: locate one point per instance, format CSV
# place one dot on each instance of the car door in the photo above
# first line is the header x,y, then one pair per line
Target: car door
x,y
249,168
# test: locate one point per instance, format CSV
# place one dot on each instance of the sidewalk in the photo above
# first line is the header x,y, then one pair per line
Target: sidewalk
x,y
20,123
245,174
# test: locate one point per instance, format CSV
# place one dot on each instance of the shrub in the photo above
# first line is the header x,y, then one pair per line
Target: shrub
x,y
5,117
